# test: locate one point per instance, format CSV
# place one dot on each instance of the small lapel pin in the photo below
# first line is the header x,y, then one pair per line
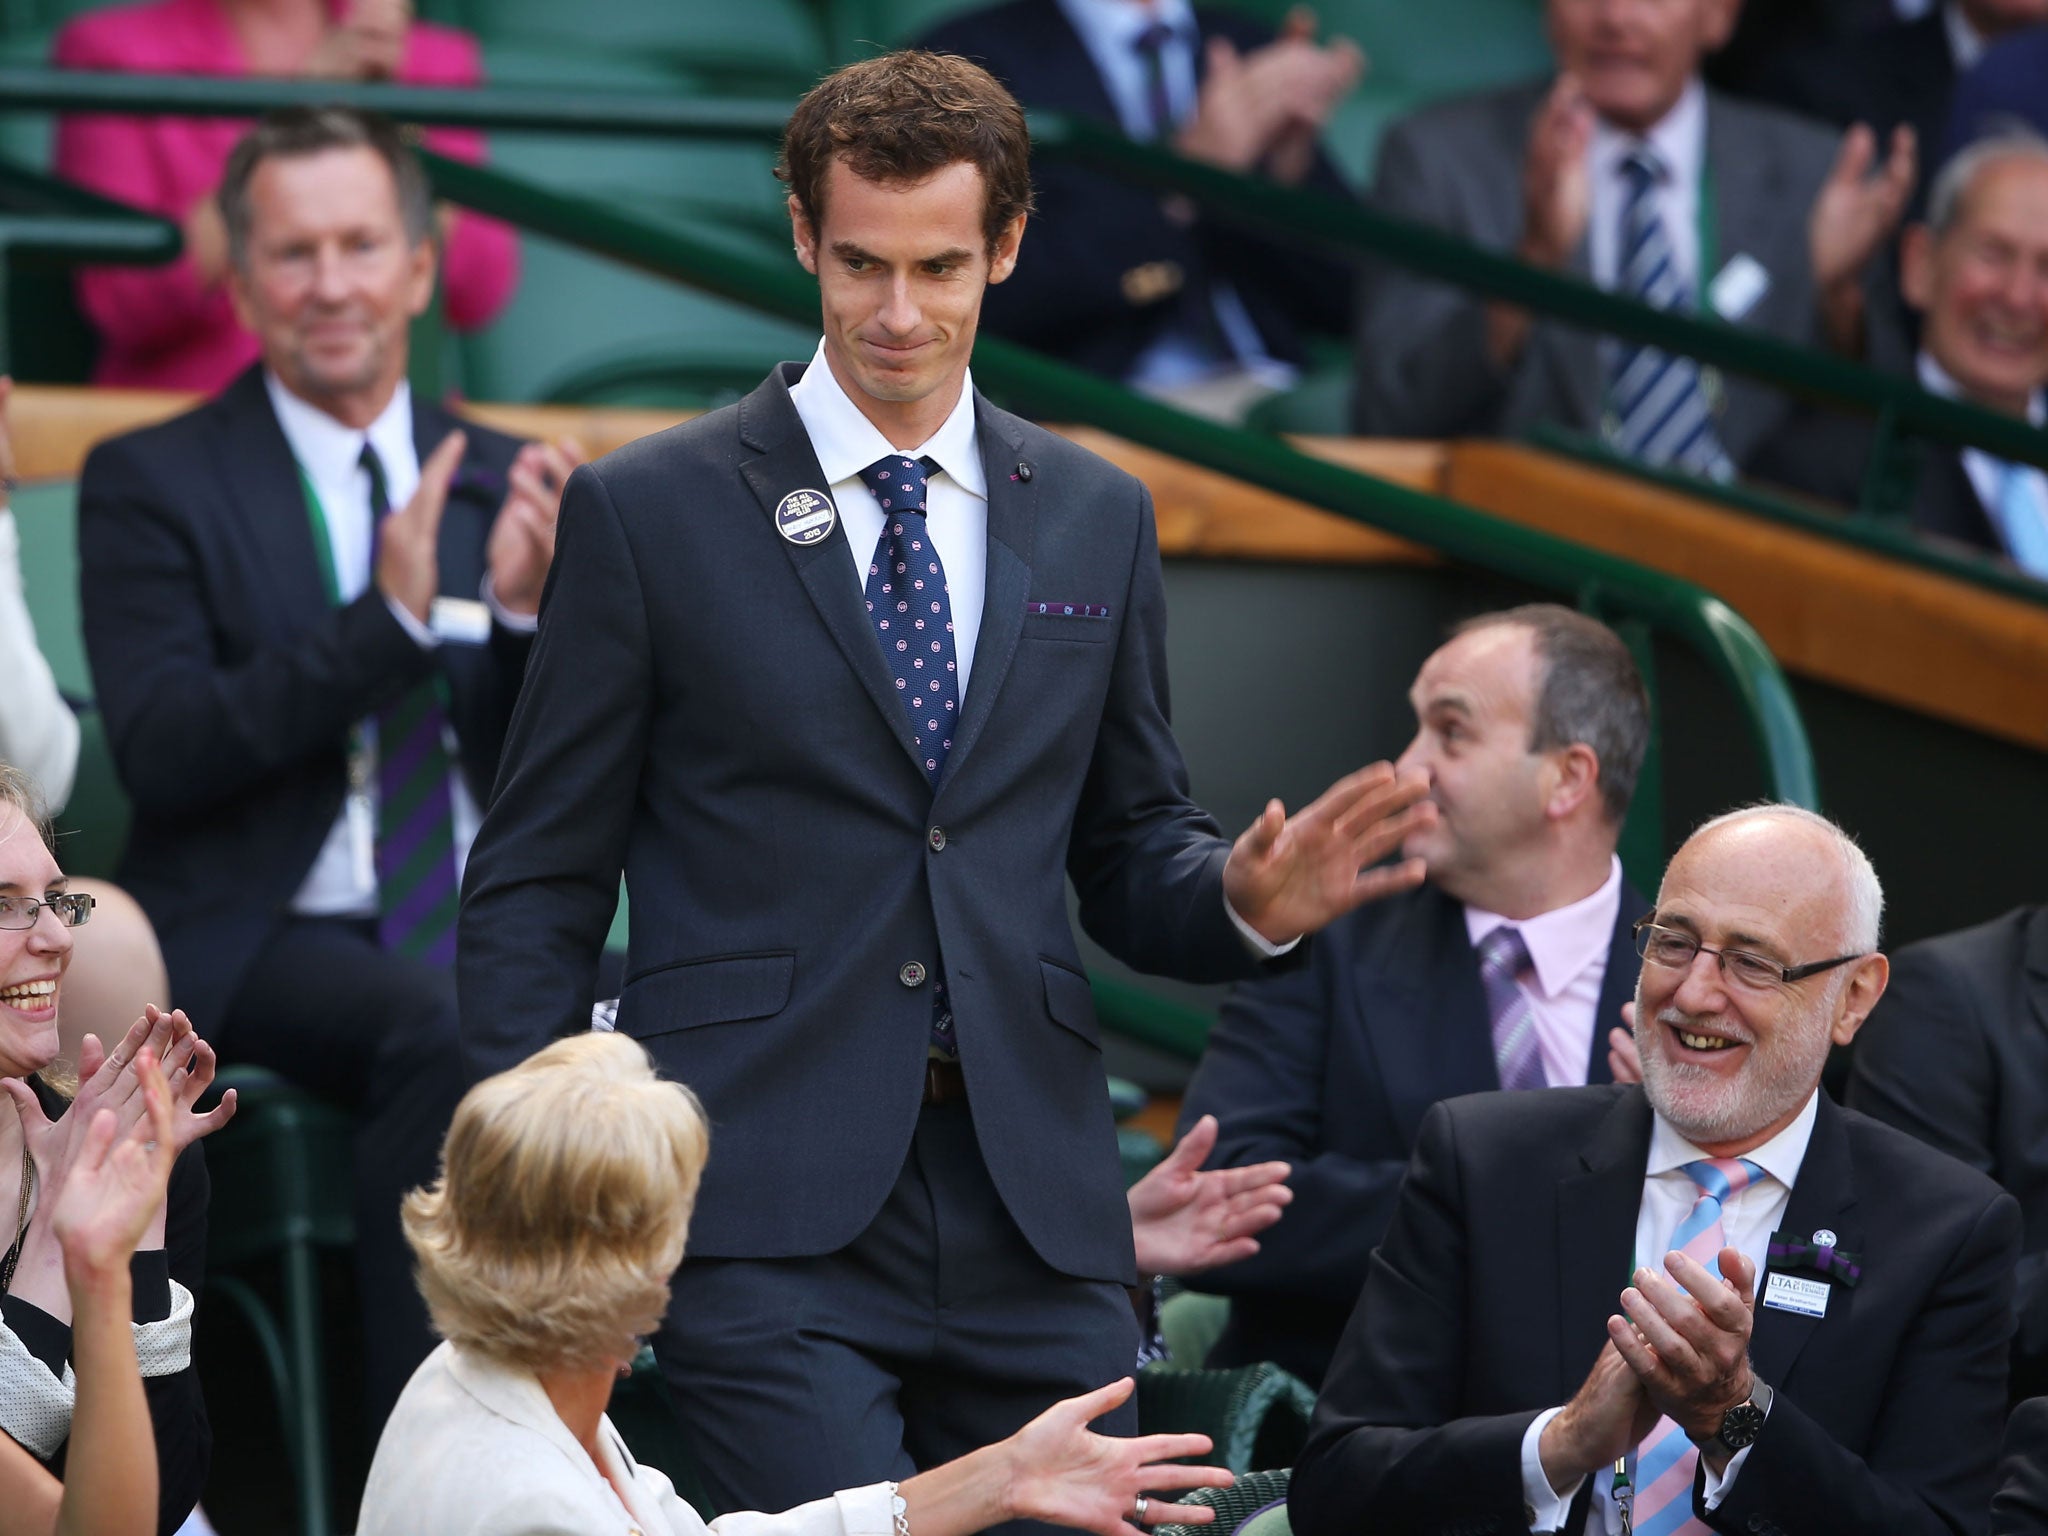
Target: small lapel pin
x,y
1825,1238
1023,471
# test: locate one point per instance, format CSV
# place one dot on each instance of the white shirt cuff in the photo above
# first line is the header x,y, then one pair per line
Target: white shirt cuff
x,y
518,623
1259,944
1547,1507
1717,1487
422,636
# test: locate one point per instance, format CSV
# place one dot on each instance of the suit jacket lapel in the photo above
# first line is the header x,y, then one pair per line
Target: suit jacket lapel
x,y
254,464
1424,1011
1596,1233
1618,985
784,462
1012,528
1576,355
1825,1196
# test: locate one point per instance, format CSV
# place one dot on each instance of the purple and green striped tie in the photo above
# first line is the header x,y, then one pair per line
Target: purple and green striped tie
x,y
417,892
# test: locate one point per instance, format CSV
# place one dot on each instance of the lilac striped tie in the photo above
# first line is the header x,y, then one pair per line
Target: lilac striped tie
x,y
1504,955
1668,1459
417,893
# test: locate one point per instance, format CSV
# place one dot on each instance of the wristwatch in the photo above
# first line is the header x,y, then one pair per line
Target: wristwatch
x,y
1740,1424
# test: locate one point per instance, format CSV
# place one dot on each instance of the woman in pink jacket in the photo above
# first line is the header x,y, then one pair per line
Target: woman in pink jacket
x,y
173,327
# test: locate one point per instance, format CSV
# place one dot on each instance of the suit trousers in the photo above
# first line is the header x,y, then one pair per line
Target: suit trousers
x,y
937,1331
330,1009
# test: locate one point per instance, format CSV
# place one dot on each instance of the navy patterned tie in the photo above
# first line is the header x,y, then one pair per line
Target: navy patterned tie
x,y
1657,408
1504,955
913,619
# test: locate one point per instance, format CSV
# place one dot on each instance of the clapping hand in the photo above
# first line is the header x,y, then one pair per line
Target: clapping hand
x,y
1184,1220
522,542
1557,193
1685,1334
366,43
116,1183
1063,1472
1289,875
1854,215
1624,1059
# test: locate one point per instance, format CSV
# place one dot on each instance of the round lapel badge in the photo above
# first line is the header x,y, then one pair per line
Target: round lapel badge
x,y
1824,1238
805,517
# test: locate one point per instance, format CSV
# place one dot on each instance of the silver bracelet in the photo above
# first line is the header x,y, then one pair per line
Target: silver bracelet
x,y
898,1510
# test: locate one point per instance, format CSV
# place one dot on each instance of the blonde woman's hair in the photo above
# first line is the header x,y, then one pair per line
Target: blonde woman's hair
x,y
564,1198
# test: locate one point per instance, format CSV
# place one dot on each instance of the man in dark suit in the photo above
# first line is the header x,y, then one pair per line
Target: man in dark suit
x,y
1508,967
1625,170
849,927
1957,1055
307,617
1772,1314
1141,287
1971,271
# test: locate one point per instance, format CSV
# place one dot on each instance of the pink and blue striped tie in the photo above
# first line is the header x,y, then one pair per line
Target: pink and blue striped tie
x,y
1668,1460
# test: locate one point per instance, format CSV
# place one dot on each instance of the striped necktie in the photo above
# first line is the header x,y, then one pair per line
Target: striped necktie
x,y
1667,1462
1504,955
1657,407
417,892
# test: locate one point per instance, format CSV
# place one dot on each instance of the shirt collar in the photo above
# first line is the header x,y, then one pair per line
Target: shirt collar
x,y
846,442
1966,44
1679,137
1564,941
1114,25
1780,1157
1937,380
329,451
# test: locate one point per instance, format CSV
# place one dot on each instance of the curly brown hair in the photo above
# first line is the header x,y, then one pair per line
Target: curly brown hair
x,y
906,116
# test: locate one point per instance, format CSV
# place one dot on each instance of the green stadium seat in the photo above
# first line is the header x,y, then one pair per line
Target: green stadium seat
x,y
1256,1414
768,44
46,515
1191,1323
1255,1506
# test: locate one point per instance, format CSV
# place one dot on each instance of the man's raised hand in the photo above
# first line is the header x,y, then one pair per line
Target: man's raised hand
x,y
408,540
1290,875
1184,1220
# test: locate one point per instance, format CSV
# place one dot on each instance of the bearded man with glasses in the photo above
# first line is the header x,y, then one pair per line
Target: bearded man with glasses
x,y
1795,1318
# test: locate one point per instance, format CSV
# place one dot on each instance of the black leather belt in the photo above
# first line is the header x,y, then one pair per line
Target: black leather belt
x,y
944,1082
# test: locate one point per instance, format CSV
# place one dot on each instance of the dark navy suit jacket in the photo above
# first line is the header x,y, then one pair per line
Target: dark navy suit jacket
x,y
1332,1067
707,707
228,681
1066,296
1488,1303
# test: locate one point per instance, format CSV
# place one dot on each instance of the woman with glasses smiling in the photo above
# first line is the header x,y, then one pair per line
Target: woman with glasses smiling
x,y
43,1141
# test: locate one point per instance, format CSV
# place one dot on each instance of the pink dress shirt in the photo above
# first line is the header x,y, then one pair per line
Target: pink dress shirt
x,y
159,328
1567,964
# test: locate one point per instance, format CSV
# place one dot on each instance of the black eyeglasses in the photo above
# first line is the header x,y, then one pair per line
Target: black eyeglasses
x,y
1675,948
71,909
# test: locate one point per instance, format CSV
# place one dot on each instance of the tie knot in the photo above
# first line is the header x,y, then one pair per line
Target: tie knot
x,y
898,482
1504,952
1643,167
1723,1177
1153,39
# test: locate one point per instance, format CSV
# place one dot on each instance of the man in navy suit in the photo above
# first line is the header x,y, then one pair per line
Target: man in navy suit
x,y
1531,725
1145,288
307,614
851,679
1771,1314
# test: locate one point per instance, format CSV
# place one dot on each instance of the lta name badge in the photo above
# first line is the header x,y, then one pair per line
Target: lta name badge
x,y
1795,1293
804,517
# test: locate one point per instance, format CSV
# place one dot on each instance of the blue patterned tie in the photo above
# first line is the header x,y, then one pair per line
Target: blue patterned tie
x,y
1504,955
1656,403
913,618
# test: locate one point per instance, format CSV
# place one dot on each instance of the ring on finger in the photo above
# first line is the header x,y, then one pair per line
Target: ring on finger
x,y
1138,1509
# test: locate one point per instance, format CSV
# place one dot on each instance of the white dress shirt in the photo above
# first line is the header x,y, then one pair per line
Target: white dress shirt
x,y
1986,472
956,500
1567,966
1680,141
343,879
1747,1220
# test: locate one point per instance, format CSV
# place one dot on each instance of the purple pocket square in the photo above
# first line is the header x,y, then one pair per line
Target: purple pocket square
x,y
1067,610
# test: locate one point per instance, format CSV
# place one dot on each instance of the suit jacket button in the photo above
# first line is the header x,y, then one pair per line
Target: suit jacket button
x,y
1756,1522
912,974
937,838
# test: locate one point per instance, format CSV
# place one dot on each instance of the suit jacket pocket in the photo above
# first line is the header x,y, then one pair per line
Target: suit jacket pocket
x,y
718,990
1069,1000
1057,625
